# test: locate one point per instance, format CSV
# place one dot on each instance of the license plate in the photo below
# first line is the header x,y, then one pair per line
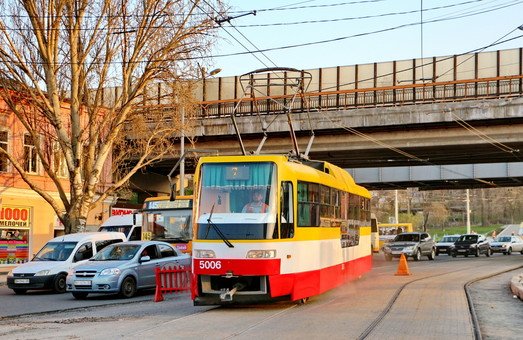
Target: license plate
x,y
82,283
22,281
396,252
462,250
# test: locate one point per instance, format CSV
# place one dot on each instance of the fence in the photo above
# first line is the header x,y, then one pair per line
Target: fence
x,y
171,280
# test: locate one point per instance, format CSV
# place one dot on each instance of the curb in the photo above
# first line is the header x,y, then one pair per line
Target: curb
x,y
516,286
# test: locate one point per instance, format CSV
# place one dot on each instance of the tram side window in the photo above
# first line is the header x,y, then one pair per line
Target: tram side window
x,y
308,204
354,207
287,216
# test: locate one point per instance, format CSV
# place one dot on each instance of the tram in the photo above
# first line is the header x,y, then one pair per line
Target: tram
x,y
312,234
164,219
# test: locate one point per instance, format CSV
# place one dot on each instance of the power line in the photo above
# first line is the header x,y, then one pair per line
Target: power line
x,y
358,34
359,17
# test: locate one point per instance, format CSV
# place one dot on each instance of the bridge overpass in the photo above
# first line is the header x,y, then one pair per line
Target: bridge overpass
x,y
444,131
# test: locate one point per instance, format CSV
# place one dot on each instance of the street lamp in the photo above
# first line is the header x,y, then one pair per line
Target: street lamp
x,y
182,137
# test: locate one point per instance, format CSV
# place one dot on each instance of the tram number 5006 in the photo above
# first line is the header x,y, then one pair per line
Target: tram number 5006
x,y
210,264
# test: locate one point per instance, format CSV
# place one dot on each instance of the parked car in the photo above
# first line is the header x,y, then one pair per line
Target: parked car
x,y
49,268
507,244
123,268
471,244
414,244
443,246
130,225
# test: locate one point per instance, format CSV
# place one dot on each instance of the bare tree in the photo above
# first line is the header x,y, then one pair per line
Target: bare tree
x,y
58,58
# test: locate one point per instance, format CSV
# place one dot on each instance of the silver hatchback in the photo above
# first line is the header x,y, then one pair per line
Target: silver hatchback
x,y
123,268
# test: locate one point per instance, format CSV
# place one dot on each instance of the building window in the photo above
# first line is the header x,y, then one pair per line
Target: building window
x,y
3,145
30,156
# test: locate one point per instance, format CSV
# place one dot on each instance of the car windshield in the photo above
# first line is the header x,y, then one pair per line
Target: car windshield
x,y
503,239
55,251
469,238
117,252
407,238
450,239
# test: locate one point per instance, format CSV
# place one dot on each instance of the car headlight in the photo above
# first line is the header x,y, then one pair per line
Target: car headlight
x,y
504,245
204,253
473,245
44,272
110,271
261,254
10,273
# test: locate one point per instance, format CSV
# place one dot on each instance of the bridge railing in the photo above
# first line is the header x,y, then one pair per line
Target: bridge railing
x,y
410,94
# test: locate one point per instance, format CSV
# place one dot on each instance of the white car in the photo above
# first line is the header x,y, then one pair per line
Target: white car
x,y
507,245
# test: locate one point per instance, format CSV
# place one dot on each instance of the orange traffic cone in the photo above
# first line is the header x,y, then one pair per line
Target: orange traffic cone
x,y
403,268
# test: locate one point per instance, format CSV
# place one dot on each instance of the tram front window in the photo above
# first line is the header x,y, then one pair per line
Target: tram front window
x,y
239,199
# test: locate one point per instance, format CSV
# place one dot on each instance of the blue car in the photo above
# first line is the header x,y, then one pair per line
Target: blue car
x,y
124,268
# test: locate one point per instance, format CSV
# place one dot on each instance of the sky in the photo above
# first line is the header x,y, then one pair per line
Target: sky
x,y
360,31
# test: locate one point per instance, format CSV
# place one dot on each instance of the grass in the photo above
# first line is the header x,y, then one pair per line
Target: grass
x,y
438,233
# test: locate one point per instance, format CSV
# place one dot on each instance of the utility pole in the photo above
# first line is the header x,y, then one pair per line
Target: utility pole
x,y
468,212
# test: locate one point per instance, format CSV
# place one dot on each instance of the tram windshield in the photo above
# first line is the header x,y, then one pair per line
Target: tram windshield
x,y
239,199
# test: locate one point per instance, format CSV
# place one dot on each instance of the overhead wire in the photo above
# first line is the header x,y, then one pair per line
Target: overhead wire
x,y
359,17
388,29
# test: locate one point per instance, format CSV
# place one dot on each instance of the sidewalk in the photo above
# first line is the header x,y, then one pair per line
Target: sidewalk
x,y
3,274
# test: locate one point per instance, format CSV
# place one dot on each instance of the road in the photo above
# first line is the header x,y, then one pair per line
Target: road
x,y
428,304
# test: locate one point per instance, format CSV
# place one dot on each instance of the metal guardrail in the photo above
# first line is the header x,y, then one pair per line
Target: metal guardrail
x,y
410,94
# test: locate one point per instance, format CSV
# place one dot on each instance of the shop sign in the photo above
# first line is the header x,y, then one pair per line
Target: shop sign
x,y
14,217
121,211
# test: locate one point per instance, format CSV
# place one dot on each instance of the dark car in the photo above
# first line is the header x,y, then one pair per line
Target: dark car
x,y
443,246
415,245
471,244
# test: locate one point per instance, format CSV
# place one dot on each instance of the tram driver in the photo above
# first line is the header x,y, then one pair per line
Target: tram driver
x,y
257,205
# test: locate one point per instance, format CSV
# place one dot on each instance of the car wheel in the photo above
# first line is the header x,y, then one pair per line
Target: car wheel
x,y
489,252
453,254
466,255
417,256
59,283
509,251
388,257
521,252
504,253
477,252
80,295
20,291
437,252
128,288
432,255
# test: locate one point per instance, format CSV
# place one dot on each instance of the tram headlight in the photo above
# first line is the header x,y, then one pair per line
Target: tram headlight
x,y
261,254
204,253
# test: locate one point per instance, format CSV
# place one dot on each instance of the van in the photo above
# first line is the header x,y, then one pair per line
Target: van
x,y
49,267
130,225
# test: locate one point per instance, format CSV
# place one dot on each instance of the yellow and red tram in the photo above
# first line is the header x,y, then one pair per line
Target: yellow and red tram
x,y
314,235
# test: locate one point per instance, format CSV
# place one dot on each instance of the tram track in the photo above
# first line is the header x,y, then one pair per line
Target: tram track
x,y
472,310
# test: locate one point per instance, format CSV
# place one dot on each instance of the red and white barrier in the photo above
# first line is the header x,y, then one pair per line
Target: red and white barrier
x,y
171,280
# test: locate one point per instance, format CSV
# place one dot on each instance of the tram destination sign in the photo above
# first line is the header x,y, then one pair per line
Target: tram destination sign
x,y
176,204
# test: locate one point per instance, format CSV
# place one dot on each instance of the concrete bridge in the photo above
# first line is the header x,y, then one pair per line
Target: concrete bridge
x,y
440,132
